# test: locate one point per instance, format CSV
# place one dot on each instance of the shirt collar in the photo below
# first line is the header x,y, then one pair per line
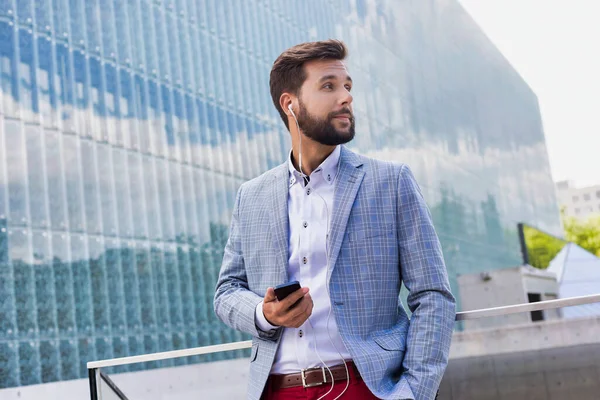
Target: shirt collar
x,y
328,168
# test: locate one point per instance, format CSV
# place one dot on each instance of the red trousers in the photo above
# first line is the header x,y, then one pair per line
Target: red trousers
x,y
357,390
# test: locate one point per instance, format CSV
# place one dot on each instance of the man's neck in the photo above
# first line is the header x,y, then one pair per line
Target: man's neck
x,y
313,155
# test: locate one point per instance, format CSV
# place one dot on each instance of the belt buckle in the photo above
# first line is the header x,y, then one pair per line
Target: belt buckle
x,y
302,371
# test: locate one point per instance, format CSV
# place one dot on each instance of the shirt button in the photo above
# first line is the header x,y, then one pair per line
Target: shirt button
x,y
304,260
328,177
305,224
300,333
308,191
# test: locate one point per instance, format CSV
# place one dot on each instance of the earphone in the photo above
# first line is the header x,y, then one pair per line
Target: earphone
x,y
328,278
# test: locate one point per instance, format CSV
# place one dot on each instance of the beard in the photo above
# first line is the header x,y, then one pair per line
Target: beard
x,y
321,130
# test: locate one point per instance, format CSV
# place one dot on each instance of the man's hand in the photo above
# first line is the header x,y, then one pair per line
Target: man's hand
x,y
280,313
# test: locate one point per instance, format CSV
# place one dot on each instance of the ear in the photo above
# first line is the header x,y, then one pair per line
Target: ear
x,y
284,102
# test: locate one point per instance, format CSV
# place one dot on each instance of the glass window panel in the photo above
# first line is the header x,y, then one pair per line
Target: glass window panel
x,y
60,9
180,127
151,346
185,278
136,20
75,16
44,284
3,178
160,288
106,189
173,32
177,199
87,352
73,180
107,27
166,204
9,363
63,281
131,290
50,361
98,285
120,349
46,83
189,202
162,44
128,136
69,359
173,287
43,16
141,111
29,361
123,198
27,70
8,70
7,306
16,172
98,128
65,88
25,11
103,348
186,45
168,131
37,180
202,298
138,207
205,62
93,214
92,25
114,278
82,285
112,95
122,27
145,281
157,138
82,94
135,348
151,196
22,262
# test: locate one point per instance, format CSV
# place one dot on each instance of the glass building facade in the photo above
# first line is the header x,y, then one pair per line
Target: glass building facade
x,y
126,127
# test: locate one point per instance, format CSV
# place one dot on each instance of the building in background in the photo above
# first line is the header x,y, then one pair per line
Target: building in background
x,y
126,128
579,203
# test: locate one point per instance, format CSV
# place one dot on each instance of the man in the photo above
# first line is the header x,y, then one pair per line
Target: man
x,y
350,229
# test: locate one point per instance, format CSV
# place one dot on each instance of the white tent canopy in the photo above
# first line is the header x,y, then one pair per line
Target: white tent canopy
x,y
578,274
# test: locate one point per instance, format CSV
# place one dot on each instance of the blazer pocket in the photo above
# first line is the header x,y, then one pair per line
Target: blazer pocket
x,y
254,352
391,341
371,232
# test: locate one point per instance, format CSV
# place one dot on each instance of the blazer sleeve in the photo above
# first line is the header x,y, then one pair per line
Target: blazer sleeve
x,y
430,300
234,303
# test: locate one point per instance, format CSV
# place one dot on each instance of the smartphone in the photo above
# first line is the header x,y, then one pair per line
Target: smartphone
x,y
284,290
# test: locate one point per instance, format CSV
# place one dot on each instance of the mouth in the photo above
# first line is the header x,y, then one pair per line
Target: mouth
x,y
343,117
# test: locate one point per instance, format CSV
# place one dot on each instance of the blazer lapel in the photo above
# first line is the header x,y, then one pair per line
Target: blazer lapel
x,y
280,220
349,179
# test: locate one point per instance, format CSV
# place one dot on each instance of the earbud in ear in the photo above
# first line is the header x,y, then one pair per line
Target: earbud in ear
x,y
290,107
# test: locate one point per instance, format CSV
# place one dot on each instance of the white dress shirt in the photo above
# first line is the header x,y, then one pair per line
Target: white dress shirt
x,y
310,209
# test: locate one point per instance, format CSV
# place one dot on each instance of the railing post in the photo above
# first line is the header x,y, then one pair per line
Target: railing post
x,y
93,378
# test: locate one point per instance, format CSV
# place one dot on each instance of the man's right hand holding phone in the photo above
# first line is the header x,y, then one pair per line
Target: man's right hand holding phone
x,y
286,312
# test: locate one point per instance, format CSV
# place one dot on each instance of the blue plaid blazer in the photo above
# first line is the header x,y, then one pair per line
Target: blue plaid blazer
x,y
381,235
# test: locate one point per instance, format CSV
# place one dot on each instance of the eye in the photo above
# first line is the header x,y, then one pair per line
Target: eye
x,y
348,87
328,86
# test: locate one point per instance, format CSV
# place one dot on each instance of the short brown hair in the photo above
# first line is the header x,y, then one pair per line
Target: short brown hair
x,y
288,74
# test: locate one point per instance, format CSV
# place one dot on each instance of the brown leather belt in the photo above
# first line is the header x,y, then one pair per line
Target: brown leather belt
x,y
313,376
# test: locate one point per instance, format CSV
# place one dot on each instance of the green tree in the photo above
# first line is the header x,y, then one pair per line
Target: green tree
x,y
541,247
586,233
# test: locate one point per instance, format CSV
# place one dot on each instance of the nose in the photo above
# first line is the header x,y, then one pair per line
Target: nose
x,y
347,98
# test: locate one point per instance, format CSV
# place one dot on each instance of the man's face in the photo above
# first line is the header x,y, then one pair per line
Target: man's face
x,y
325,103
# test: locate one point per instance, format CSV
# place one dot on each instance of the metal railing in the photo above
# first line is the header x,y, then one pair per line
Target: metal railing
x,y
96,376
